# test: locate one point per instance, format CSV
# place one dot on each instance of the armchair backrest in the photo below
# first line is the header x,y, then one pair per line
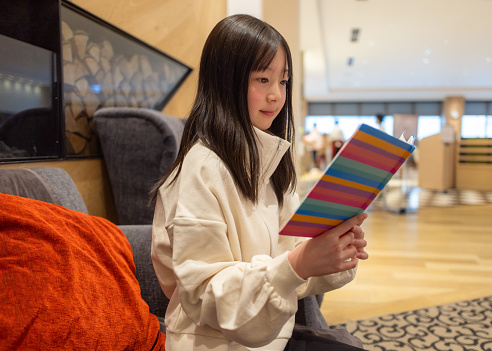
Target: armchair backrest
x,y
139,146
49,184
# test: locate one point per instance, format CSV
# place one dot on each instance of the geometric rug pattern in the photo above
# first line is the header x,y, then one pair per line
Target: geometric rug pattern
x,y
453,197
461,326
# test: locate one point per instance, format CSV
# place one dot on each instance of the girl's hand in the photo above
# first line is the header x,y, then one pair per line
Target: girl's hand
x,y
334,251
359,242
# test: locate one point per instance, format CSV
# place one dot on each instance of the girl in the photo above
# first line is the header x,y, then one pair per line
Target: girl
x,y
232,281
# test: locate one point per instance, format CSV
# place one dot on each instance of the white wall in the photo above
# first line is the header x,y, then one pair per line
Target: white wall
x,y
249,7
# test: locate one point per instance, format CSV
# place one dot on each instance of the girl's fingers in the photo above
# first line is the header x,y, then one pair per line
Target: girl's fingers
x,y
359,243
350,253
347,239
349,224
350,263
359,233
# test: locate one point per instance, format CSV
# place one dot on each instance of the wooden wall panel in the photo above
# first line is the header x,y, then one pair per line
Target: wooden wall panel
x,y
283,15
176,27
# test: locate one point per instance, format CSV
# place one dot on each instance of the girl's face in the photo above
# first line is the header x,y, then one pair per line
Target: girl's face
x,y
267,91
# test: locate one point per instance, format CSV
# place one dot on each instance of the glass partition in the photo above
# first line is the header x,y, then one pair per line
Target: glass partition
x,y
28,123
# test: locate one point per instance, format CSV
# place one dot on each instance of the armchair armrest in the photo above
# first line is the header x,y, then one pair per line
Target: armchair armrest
x,y
140,238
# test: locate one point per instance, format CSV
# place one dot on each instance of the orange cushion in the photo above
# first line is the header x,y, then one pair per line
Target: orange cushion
x,y
67,281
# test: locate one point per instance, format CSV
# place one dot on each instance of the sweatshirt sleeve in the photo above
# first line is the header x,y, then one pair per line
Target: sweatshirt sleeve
x,y
249,302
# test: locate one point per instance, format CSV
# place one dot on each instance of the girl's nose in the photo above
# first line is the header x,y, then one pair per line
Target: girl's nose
x,y
274,93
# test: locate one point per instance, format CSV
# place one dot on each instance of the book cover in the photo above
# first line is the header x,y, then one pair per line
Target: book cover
x,y
353,179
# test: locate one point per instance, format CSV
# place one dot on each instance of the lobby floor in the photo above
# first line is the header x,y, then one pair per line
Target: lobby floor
x,y
425,248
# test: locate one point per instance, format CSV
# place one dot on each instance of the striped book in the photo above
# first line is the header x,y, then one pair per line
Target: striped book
x,y
356,175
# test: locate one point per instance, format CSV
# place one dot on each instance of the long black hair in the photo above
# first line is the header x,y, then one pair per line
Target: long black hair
x,y
237,46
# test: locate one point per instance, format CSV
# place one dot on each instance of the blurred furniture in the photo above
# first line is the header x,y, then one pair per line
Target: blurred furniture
x,y
474,164
32,131
139,146
436,163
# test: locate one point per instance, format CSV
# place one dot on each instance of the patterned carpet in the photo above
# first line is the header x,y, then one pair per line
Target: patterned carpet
x,y
395,200
461,326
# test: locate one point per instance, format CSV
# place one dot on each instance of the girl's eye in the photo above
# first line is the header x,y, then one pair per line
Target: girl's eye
x,y
263,80
284,82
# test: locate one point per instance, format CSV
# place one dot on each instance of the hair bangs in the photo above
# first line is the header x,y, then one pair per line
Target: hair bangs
x,y
265,54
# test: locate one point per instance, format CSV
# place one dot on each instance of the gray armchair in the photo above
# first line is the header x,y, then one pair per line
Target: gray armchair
x,y
139,146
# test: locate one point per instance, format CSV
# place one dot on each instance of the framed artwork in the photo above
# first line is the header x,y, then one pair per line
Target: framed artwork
x,y
104,66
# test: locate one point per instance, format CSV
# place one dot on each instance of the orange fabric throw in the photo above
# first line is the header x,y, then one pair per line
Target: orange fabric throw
x,y
67,282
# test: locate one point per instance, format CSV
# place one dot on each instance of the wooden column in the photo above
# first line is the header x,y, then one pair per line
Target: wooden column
x,y
283,15
453,110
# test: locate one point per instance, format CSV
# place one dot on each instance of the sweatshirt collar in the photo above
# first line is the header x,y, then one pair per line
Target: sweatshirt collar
x,y
271,150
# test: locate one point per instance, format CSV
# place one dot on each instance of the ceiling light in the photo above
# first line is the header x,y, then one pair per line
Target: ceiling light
x,y
427,52
425,60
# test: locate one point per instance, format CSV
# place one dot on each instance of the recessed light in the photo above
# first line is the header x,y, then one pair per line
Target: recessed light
x,y
425,60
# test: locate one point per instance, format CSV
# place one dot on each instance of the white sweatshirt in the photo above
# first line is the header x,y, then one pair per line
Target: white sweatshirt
x,y
220,259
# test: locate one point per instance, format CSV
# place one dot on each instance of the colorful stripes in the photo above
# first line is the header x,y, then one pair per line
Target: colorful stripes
x,y
355,177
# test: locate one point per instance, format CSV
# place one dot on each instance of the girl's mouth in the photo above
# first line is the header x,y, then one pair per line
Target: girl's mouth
x,y
268,113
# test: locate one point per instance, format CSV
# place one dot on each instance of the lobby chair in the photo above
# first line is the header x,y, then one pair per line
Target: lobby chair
x,y
139,146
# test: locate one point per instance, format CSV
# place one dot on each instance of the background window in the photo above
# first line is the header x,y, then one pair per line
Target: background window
x,y
348,124
428,125
475,126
